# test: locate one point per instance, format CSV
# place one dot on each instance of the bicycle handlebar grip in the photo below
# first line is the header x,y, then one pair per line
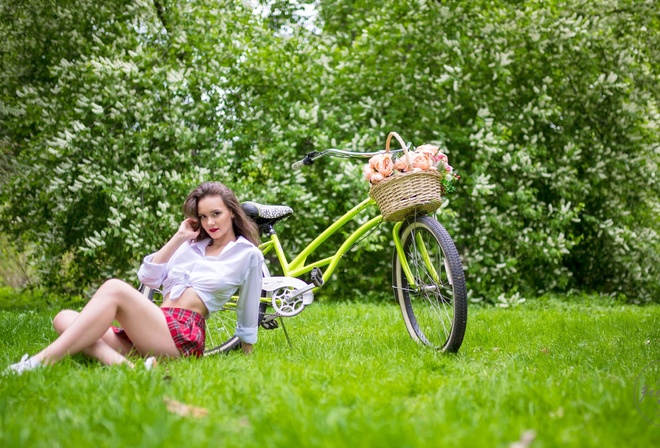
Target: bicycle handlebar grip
x,y
308,160
298,164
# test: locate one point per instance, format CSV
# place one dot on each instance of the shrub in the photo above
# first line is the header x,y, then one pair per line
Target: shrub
x,y
548,111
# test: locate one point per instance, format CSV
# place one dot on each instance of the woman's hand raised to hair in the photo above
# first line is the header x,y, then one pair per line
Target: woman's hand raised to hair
x,y
188,230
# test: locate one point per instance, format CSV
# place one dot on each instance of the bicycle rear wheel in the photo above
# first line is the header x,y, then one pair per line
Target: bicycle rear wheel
x,y
221,325
434,308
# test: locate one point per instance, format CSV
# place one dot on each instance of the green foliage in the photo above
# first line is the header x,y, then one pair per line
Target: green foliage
x,y
15,269
549,111
353,379
10,298
107,145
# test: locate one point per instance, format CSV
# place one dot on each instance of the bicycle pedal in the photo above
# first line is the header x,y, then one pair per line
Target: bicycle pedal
x,y
269,322
317,277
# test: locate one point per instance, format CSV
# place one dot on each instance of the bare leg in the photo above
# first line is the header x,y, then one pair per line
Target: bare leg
x,y
109,349
141,319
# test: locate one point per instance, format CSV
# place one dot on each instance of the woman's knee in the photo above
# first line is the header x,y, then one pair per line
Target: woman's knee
x,y
114,285
63,319
117,291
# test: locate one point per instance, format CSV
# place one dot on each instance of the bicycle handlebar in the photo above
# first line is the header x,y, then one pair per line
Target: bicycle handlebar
x,y
310,158
307,160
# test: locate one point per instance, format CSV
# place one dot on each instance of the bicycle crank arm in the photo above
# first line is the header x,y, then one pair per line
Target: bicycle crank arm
x,y
296,286
290,295
301,291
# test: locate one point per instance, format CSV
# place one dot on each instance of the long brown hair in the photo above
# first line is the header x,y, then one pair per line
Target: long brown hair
x,y
243,226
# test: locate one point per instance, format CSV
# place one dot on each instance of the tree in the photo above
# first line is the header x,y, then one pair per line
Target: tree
x,y
548,110
109,125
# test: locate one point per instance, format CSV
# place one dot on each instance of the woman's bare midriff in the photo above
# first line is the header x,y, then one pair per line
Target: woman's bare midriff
x,y
188,300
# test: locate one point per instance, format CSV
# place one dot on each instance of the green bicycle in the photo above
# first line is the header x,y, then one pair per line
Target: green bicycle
x,y
427,274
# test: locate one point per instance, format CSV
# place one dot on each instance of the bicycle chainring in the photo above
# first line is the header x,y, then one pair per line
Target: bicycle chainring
x,y
284,299
284,304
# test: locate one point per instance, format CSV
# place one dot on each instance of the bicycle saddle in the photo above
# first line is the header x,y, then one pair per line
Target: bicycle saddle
x,y
266,215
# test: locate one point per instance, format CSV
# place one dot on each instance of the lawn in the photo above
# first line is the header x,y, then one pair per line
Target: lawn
x,y
561,373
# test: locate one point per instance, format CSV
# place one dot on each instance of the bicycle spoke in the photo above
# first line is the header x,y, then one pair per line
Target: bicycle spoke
x,y
437,303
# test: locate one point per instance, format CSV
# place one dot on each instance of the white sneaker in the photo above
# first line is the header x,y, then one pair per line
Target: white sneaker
x,y
24,365
151,363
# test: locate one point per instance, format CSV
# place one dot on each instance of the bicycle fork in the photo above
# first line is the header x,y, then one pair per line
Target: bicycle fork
x,y
424,255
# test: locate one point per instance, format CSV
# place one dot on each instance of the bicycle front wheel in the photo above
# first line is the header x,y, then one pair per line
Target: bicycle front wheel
x,y
434,301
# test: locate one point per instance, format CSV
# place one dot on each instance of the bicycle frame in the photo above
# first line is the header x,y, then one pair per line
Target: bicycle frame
x,y
298,266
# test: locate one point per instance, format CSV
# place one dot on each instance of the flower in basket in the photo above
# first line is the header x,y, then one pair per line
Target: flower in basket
x,y
423,158
379,167
421,161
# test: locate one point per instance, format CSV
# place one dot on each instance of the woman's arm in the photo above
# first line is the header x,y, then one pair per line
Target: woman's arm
x,y
247,308
185,233
154,267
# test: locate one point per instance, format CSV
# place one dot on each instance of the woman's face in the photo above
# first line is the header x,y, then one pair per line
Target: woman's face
x,y
216,218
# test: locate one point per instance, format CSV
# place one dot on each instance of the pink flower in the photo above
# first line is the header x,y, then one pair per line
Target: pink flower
x,y
382,163
422,161
441,158
367,172
401,164
376,177
427,149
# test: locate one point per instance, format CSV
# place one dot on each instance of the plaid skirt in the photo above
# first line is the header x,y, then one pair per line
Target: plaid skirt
x,y
188,330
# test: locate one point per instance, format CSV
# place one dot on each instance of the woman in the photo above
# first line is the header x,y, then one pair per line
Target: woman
x,y
211,256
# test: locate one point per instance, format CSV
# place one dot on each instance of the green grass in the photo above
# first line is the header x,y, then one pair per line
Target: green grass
x,y
354,378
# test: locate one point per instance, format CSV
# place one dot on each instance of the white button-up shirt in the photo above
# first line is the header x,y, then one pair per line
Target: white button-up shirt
x,y
214,279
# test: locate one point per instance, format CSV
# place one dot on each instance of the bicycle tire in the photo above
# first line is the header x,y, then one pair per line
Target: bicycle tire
x,y
435,312
222,324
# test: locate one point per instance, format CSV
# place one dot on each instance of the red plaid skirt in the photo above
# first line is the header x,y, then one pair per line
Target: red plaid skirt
x,y
188,330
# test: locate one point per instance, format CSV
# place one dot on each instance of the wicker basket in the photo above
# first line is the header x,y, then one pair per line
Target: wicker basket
x,y
403,194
